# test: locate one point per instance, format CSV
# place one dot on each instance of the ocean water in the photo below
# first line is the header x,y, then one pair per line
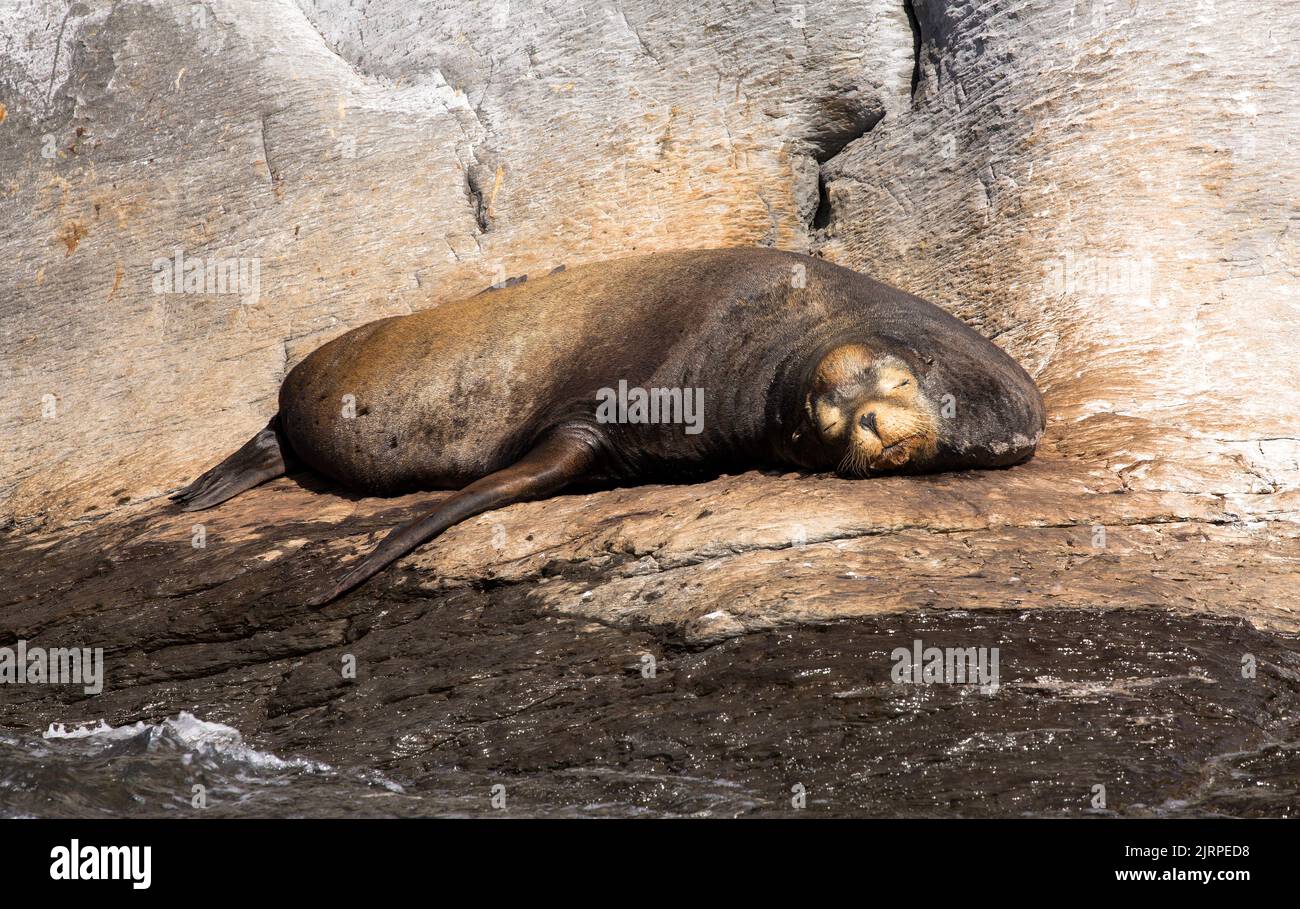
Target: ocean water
x,y
153,770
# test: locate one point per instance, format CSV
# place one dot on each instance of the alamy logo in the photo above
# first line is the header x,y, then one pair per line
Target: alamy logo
x,y
1104,276
652,405
23,665
946,665
183,274
75,862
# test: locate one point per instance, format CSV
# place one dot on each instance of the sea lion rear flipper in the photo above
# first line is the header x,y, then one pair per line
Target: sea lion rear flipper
x,y
263,457
557,461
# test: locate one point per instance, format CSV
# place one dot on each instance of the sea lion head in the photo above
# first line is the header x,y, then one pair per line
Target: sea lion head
x,y
868,408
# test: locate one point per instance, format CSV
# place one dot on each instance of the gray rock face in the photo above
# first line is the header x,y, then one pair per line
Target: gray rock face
x,y
365,164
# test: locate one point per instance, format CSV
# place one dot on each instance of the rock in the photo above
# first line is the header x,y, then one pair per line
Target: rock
x,y
707,669
359,165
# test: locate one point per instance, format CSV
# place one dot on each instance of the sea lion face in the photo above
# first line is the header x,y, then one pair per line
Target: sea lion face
x,y
869,410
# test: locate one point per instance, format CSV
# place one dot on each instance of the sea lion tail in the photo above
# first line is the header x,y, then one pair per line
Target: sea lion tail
x,y
553,464
263,457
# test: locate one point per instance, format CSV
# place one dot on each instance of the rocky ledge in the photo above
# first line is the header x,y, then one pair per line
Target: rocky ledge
x,y
710,648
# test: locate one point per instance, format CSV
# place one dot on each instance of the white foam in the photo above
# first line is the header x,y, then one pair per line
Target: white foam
x,y
60,731
199,739
187,732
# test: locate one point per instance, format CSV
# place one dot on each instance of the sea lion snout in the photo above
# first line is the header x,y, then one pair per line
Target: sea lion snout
x,y
888,434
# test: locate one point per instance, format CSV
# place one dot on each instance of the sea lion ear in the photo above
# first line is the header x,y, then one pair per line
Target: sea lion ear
x,y
920,363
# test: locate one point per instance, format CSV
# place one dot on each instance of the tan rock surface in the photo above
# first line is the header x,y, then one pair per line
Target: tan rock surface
x,y
1132,251
740,553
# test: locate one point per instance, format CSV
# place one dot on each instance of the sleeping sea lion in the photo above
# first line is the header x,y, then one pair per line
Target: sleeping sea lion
x,y
668,367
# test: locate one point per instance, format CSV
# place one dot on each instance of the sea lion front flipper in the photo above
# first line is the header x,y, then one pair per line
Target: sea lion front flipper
x,y
560,458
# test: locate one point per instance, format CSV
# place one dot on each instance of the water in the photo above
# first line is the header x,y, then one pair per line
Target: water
x,y
153,769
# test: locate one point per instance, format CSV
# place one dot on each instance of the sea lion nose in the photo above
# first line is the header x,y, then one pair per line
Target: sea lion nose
x,y
868,421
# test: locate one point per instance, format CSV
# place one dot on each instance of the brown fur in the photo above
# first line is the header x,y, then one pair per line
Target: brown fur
x,y
453,393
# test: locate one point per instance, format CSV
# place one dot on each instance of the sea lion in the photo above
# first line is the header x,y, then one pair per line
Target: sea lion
x,y
522,391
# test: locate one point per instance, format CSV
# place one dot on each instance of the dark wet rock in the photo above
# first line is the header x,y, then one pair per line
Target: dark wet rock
x,y
1149,706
